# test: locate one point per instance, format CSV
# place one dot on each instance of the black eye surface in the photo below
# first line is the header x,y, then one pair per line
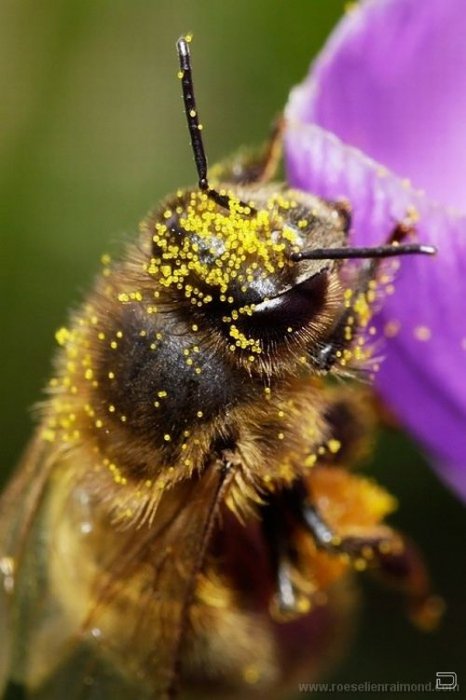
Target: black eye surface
x,y
272,318
294,309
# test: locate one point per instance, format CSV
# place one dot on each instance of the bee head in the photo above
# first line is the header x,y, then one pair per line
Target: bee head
x,y
258,264
232,266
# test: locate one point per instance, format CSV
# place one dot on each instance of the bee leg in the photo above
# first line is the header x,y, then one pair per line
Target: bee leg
x,y
404,570
253,166
288,601
401,231
369,548
395,560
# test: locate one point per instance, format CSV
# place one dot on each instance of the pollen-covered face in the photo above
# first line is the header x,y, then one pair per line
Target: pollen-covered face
x,y
233,264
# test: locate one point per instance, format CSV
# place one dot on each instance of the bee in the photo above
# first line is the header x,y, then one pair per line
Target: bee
x,y
186,519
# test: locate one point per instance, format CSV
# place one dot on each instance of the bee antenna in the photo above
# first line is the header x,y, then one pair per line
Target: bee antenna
x,y
195,128
383,251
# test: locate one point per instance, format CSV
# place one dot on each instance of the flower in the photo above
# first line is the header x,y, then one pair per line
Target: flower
x,y
386,101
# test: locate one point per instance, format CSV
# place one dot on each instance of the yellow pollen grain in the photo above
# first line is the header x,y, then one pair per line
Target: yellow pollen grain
x,y
360,564
304,605
385,547
281,436
62,336
334,446
167,437
114,345
251,674
422,333
392,328
367,552
48,435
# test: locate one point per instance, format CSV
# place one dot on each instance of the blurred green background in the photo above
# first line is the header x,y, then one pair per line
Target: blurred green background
x,y
92,135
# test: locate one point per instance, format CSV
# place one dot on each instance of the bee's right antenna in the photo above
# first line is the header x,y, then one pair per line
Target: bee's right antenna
x,y
383,251
195,128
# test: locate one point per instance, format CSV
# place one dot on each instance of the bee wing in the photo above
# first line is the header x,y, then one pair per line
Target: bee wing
x,y
24,601
18,505
88,611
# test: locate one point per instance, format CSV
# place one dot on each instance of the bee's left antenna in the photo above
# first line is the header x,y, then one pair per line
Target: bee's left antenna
x,y
195,128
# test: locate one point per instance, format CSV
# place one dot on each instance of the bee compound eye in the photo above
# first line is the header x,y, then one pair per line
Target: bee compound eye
x,y
295,308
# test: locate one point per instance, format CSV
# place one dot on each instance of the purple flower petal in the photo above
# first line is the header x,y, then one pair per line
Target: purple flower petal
x,y
383,64
391,81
